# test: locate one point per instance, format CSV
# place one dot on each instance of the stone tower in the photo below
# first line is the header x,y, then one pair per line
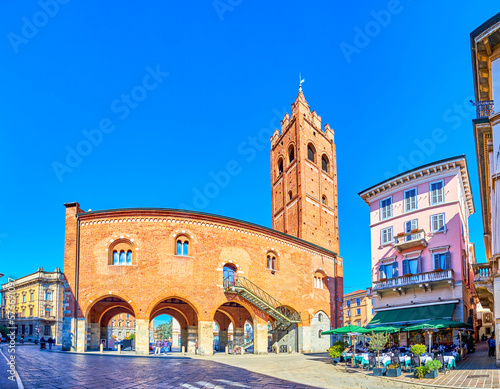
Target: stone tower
x,y
304,177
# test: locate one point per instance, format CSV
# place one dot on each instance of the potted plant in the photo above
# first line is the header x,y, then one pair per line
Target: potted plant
x,y
420,372
419,349
393,370
432,368
377,343
336,351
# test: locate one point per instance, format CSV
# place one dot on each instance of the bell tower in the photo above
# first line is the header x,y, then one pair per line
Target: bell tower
x,y
304,177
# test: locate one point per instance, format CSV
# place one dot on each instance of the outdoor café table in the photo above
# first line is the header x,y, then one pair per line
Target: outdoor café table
x,y
450,361
384,360
347,356
405,360
423,360
361,360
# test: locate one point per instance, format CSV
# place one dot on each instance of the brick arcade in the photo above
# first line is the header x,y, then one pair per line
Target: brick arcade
x,y
147,262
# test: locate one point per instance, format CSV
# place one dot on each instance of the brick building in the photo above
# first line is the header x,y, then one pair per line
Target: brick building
x,y
201,268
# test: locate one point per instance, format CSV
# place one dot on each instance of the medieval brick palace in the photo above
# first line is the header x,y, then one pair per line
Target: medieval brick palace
x,y
201,268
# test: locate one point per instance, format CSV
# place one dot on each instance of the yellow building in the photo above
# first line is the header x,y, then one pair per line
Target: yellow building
x,y
358,308
33,305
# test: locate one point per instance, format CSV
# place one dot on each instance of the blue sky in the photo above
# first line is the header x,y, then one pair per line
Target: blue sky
x,y
181,89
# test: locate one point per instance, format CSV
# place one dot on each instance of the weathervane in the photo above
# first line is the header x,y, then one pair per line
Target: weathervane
x,y
301,81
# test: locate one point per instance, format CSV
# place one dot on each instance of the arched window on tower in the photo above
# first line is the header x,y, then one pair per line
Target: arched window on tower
x,y
229,274
320,332
129,257
320,317
325,165
290,195
324,200
121,253
115,257
280,167
291,154
311,153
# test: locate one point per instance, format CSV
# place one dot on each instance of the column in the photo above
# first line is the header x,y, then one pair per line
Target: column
x,y
260,338
223,339
184,338
206,337
94,336
192,336
68,334
175,340
81,335
141,337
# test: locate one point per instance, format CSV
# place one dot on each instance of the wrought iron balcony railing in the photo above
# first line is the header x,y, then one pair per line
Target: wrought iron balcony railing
x,y
484,109
284,316
414,279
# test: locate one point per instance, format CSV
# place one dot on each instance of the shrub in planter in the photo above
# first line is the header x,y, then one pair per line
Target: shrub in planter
x,y
377,343
418,349
393,371
432,368
420,372
336,351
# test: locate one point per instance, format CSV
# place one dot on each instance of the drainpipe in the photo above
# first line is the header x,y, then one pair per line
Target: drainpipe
x,y
336,305
77,277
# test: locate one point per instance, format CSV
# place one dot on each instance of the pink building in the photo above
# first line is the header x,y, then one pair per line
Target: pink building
x,y
420,245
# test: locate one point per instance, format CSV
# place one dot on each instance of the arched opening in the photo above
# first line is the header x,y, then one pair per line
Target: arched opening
x,y
175,321
111,321
271,261
235,329
121,253
290,195
311,153
291,154
182,246
324,200
325,164
284,336
321,322
280,167
229,274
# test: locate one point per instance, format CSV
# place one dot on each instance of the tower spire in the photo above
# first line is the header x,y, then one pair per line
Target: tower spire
x,y
301,81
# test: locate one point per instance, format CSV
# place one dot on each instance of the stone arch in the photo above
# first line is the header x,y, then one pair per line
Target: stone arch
x,y
163,296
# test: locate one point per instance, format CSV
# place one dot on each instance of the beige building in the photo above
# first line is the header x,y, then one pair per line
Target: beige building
x,y
358,308
485,50
33,304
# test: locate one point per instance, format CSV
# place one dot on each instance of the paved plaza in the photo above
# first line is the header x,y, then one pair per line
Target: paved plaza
x,y
46,369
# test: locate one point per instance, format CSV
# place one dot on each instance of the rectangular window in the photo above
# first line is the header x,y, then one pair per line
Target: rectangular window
x,y
348,313
386,271
411,200
358,302
358,311
23,329
386,208
373,311
442,261
24,298
31,311
349,304
437,193
413,266
359,323
31,330
48,296
32,296
386,236
409,227
438,223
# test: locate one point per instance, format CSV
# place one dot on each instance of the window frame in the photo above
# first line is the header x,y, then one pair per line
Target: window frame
x,y
325,158
443,228
382,208
314,153
430,192
405,199
391,240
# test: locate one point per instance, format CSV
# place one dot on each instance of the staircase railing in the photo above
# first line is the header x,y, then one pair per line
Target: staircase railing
x,y
236,345
243,286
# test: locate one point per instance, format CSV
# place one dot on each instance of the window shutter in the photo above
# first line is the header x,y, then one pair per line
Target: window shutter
x,y
395,269
381,274
447,260
406,268
436,261
419,265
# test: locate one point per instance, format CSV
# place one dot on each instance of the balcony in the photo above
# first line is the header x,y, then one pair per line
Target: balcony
x,y
415,238
483,281
484,109
421,279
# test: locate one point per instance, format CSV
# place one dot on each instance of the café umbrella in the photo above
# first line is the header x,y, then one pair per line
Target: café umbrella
x,y
436,324
350,330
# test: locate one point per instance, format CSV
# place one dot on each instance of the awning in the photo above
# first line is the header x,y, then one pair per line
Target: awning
x,y
412,315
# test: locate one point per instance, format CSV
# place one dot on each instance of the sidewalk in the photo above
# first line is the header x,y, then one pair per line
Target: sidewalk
x,y
477,371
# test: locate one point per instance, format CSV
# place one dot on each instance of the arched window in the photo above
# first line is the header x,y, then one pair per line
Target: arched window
x,y
280,167
323,200
311,153
291,154
320,332
290,195
121,253
318,281
325,165
182,246
320,317
229,273
271,261
122,258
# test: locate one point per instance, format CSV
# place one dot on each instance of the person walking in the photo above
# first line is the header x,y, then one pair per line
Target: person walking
x,y
164,345
196,346
158,346
50,341
491,344
42,343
